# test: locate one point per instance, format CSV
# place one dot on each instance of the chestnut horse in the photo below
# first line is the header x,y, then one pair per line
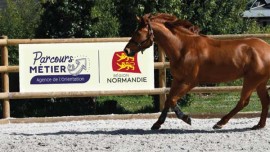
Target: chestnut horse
x,y
196,58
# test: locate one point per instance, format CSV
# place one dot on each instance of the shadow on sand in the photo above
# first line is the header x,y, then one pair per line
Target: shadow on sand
x,y
138,132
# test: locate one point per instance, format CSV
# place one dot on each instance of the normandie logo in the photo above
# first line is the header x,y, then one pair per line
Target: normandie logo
x,y
122,63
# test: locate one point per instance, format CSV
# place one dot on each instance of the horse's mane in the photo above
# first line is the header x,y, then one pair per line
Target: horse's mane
x,y
162,18
173,23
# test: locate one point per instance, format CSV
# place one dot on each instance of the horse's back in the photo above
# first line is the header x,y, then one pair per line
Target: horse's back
x,y
225,60
245,49
253,52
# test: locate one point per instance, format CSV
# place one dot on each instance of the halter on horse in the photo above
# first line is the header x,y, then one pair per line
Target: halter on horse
x,y
196,58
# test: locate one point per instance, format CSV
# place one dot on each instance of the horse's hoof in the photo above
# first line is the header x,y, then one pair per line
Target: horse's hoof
x,y
256,127
216,126
155,127
187,119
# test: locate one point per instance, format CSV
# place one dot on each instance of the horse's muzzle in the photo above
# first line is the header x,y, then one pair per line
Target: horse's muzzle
x,y
129,52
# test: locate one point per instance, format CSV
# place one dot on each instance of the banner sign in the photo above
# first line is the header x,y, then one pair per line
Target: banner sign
x,y
83,67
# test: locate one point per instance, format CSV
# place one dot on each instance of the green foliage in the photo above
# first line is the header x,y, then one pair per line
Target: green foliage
x,y
19,20
254,28
219,103
108,24
67,18
71,18
213,16
216,16
128,10
185,101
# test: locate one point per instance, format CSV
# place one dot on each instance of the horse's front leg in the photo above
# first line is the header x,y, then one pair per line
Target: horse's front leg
x,y
178,89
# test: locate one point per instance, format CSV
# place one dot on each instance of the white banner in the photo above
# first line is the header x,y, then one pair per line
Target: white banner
x,y
83,67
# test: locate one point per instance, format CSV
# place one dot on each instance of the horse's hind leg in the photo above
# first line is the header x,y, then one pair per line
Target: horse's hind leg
x,y
247,90
264,97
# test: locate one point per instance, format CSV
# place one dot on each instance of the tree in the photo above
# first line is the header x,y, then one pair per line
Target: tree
x,y
19,20
72,18
108,24
217,16
128,10
212,16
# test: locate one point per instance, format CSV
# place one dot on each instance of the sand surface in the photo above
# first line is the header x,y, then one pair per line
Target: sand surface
x,y
134,135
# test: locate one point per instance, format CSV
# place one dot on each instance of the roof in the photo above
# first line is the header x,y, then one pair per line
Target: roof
x,y
260,12
3,4
258,9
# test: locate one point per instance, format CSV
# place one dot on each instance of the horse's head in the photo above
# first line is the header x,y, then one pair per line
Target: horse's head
x,y
142,38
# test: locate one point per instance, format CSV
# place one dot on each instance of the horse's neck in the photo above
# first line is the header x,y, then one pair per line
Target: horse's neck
x,y
169,42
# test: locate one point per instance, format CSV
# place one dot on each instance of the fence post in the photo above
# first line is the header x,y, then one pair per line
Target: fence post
x,y
5,80
162,78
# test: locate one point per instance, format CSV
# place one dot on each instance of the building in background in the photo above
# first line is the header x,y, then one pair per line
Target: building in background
x,y
259,10
3,4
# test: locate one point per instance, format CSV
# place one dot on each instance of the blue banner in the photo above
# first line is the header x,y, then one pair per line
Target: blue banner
x,y
60,79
